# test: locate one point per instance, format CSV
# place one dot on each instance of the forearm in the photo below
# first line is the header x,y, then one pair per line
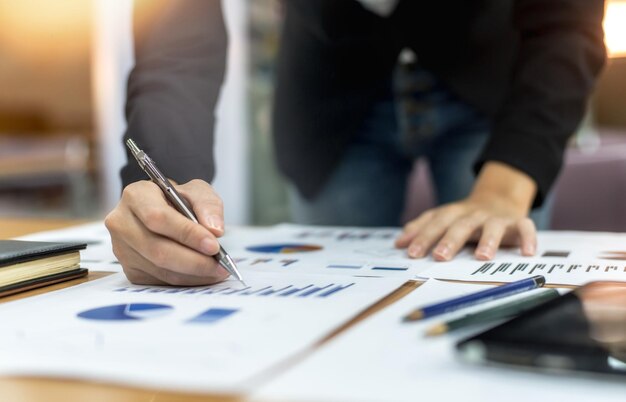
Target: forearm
x,y
180,53
560,54
499,182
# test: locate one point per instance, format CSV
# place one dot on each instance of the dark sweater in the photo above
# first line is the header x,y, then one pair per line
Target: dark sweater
x,y
529,65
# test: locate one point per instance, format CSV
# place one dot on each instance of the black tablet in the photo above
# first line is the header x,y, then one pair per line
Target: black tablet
x,y
584,330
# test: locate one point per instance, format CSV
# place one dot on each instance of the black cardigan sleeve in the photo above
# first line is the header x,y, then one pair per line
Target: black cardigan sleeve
x,y
180,53
560,55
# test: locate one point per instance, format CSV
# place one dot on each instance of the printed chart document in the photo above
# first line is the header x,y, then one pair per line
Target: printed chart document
x,y
322,250
206,339
564,258
384,359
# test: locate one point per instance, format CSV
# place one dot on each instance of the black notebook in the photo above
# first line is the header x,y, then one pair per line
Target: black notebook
x,y
26,265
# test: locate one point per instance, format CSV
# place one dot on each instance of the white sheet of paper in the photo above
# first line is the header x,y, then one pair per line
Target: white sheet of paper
x,y
321,250
211,339
383,359
564,258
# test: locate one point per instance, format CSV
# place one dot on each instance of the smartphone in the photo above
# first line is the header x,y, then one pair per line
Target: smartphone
x,y
581,331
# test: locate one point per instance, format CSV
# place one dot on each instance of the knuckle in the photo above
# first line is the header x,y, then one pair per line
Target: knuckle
x,y
111,221
197,183
496,222
189,233
130,192
464,225
152,217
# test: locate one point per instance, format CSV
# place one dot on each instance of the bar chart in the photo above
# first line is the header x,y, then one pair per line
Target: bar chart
x,y
289,290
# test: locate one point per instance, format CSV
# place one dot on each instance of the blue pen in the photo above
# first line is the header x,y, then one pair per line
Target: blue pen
x,y
476,298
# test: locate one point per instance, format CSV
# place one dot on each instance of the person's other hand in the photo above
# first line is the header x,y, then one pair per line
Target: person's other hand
x,y
158,245
494,214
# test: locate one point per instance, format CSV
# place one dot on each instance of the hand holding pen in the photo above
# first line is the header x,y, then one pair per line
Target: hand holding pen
x,y
157,244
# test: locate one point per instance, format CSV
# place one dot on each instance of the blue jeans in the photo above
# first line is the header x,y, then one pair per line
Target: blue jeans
x,y
417,118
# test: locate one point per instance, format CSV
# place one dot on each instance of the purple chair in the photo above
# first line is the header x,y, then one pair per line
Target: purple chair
x,y
590,193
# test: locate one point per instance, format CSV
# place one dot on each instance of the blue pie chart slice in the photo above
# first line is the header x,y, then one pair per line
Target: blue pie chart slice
x,y
126,312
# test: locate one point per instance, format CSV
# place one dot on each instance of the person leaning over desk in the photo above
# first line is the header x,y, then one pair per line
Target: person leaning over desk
x,y
486,87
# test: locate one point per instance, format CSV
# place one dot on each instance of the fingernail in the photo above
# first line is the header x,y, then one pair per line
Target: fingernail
x,y
415,250
207,246
484,252
529,249
443,251
216,222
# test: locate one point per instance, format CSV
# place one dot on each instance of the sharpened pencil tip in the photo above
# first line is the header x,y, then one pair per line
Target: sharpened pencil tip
x,y
413,316
436,330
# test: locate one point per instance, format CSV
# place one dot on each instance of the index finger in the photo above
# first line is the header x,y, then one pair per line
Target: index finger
x,y
528,236
206,204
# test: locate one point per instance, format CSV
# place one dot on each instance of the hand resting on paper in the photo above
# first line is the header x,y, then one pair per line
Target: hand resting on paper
x,y
158,245
494,214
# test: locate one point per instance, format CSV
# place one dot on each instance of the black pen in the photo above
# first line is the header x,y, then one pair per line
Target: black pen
x,y
148,166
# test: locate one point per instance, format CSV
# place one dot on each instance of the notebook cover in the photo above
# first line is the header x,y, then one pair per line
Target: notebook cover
x,y
43,281
16,251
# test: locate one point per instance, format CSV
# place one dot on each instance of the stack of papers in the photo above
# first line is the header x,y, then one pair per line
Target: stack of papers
x,y
303,283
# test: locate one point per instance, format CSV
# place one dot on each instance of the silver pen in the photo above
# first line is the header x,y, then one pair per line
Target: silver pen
x,y
148,166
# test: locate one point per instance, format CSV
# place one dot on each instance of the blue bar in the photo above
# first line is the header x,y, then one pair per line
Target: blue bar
x,y
314,290
220,290
334,290
292,291
235,291
342,266
390,268
175,290
271,292
212,315
255,291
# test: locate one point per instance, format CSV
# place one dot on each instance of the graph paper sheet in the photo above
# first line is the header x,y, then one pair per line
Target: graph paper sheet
x,y
213,339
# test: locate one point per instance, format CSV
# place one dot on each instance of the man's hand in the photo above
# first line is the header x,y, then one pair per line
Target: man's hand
x,y
494,214
156,244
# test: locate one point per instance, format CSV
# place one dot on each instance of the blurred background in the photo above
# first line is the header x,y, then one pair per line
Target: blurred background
x,y
63,69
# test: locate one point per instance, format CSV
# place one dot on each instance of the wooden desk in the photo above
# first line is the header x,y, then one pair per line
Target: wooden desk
x,y
20,389
14,227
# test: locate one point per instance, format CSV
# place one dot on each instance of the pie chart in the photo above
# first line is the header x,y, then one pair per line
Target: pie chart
x,y
126,312
284,248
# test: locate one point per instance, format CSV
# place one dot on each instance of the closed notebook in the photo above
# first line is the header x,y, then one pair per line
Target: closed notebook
x,y
26,265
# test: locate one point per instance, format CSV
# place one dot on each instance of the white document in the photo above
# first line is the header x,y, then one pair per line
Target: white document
x,y
564,258
209,339
383,359
321,250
